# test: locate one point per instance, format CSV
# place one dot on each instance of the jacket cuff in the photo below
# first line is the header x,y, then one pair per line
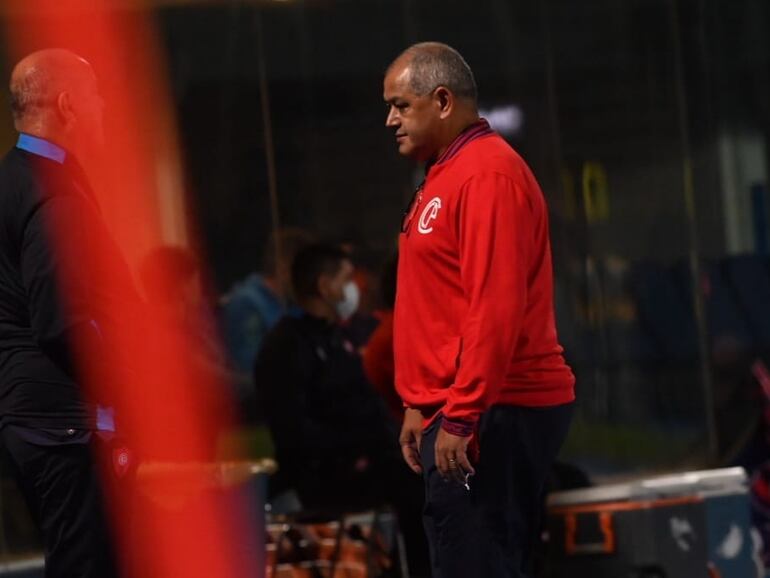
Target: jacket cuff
x,y
458,427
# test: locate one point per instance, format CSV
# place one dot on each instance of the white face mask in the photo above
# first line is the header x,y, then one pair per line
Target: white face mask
x,y
349,303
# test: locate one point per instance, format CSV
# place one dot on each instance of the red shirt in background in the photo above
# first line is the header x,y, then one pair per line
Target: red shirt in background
x,y
379,365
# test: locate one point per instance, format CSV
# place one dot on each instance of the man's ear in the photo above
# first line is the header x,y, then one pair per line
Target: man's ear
x,y
444,100
64,109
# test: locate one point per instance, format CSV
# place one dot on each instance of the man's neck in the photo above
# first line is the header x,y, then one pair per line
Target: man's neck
x,y
456,129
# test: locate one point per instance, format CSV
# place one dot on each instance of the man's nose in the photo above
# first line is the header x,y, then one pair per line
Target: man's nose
x,y
391,120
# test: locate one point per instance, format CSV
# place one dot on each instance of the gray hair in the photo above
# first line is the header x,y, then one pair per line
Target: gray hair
x,y
434,64
30,93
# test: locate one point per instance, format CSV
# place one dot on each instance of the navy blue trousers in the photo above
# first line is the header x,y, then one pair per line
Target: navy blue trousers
x,y
490,530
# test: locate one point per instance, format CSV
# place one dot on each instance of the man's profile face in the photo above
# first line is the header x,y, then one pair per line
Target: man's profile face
x,y
413,118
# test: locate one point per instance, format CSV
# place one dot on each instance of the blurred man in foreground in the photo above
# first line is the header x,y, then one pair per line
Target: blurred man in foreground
x,y
50,299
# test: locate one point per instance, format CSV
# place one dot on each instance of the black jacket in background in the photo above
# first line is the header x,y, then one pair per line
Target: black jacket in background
x,y
38,381
321,410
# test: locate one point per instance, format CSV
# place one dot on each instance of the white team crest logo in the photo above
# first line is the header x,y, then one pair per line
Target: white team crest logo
x,y
429,214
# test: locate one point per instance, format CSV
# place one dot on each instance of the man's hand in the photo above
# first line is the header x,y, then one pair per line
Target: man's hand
x,y
452,456
411,435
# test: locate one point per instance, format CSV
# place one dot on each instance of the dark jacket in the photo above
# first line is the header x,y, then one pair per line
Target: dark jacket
x,y
50,291
321,410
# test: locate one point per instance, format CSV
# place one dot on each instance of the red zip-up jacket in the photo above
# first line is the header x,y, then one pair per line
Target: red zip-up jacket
x,y
474,318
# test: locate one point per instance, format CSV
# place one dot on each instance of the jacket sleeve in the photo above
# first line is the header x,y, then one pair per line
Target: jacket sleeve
x,y
494,222
244,329
82,302
55,278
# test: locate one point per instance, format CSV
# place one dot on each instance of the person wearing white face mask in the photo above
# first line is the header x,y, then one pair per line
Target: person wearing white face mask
x,y
335,441
351,296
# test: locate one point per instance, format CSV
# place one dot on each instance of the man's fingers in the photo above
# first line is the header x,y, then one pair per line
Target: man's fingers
x,y
453,465
455,470
412,458
442,463
465,464
447,464
410,440
456,474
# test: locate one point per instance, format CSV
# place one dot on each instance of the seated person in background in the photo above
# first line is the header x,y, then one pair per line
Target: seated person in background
x,y
253,306
335,443
171,277
360,325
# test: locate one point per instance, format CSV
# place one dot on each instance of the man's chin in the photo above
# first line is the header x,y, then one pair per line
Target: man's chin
x,y
406,150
